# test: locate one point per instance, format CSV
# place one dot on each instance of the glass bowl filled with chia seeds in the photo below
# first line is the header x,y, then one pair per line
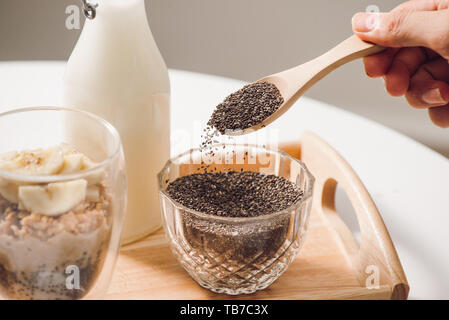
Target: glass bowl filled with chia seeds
x,y
236,215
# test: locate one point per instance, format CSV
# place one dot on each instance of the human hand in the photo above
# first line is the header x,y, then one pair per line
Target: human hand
x,y
416,62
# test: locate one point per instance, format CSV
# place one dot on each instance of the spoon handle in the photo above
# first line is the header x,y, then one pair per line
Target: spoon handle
x,y
296,81
351,49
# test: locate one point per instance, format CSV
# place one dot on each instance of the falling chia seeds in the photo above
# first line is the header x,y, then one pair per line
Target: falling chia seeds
x,y
235,195
246,107
241,110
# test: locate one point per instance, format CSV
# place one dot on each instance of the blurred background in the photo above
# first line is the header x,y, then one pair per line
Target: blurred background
x,y
242,39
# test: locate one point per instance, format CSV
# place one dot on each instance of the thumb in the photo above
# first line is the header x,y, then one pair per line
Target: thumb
x,y
403,28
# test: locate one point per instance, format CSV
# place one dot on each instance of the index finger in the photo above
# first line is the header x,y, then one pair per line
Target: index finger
x,y
377,65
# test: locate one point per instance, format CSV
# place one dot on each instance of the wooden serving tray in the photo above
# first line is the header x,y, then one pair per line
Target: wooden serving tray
x,y
330,264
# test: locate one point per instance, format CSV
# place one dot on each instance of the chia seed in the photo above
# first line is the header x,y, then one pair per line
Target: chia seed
x,y
246,246
236,250
234,194
246,107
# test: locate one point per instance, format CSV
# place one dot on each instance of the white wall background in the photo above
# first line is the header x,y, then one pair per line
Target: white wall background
x,y
244,39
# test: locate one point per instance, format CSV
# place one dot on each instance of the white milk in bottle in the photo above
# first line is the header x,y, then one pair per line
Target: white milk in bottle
x,y
117,72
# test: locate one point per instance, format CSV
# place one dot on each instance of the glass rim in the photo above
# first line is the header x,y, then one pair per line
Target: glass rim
x,y
70,176
307,193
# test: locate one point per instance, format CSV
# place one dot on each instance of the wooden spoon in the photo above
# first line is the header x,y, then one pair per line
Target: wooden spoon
x,y
294,82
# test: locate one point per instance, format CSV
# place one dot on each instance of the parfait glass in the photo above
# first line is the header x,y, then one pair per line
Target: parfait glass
x,y
61,210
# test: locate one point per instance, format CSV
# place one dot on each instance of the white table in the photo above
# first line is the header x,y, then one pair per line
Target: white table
x,y
408,181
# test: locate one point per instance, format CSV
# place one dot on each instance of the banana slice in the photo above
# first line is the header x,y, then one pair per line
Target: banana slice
x,y
94,177
7,162
73,163
34,162
53,199
9,190
93,194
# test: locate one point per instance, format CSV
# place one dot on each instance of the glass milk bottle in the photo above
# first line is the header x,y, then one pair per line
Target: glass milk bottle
x,y
117,72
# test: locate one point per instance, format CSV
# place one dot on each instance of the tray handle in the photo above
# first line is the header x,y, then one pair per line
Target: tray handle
x,y
376,247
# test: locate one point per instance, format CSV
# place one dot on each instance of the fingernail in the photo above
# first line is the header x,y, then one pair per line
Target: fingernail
x,y
433,97
366,22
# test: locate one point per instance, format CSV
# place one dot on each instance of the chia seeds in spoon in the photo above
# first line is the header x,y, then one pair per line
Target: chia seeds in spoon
x,y
247,107
243,109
